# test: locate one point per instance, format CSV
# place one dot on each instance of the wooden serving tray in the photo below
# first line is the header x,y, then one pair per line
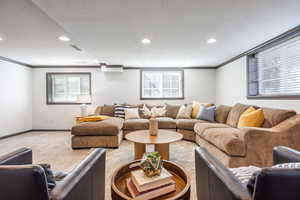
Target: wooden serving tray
x,y
183,183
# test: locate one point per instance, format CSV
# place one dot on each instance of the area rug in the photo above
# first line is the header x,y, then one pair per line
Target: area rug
x,y
55,148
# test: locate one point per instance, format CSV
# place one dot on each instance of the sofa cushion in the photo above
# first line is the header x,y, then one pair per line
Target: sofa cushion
x,y
188,124
166,123
199,128
108,110
111,126
172,110
222,112
136,124
225,139
235,113
275,116
98,110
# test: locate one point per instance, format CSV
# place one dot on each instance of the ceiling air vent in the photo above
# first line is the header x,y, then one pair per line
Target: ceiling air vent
x,y
111,68
75,47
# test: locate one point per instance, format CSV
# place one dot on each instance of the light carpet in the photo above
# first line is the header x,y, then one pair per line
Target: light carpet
x,y
55,148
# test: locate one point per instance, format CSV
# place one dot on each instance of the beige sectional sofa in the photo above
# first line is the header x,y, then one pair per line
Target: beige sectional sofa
x,y
232,146
236,147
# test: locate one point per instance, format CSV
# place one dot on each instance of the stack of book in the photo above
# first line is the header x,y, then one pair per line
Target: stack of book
x,y
142,187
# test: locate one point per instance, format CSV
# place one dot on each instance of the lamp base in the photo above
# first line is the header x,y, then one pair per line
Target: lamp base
x,y
84,110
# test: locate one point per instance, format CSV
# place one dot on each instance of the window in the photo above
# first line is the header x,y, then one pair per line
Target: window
x,y
275,72
162,84
65,88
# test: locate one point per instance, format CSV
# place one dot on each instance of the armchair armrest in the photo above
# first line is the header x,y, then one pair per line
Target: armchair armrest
x,y
26,182
21,156
86,181
285,155
214,181
277,184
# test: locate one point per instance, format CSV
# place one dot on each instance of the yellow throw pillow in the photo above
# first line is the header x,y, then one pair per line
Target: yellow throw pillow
x,y
251,118
196,107
93,118
249,110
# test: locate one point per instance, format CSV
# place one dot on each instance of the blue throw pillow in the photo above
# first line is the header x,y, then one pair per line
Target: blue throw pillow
x,y
207,114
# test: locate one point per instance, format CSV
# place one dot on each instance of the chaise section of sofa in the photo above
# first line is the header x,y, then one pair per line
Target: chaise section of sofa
x,y
106,133
236,147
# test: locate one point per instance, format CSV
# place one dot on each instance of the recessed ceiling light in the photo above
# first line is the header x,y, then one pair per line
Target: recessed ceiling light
x,y
146,41
64,38
211,41
1,39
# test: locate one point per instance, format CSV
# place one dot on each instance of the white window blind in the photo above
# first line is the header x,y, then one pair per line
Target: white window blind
x,y
65,88
279,69
162,84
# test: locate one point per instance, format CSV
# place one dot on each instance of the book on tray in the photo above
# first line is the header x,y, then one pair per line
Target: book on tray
x,y
142,187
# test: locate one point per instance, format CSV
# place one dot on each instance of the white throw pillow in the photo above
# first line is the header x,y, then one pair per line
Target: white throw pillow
x,y
132,113
185,112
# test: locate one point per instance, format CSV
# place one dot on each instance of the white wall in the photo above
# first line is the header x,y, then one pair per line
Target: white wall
x,y
110,88
15,99
231,88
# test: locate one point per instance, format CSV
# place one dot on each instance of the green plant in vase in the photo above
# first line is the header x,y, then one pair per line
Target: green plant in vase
x,y
151,164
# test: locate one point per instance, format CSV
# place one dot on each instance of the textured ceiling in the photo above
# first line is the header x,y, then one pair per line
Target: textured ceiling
x,y
110,31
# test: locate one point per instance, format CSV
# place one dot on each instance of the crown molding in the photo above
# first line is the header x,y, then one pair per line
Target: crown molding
x,y
14,61
294,32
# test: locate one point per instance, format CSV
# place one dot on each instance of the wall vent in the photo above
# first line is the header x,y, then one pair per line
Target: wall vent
x,y
112,68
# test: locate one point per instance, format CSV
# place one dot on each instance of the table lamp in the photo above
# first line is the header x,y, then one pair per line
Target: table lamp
x,y
84,99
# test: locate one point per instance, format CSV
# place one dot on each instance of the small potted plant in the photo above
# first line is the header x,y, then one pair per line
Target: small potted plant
x,y
151,164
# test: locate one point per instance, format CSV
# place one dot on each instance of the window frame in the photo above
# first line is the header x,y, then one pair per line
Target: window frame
x,y
250,57
162,70
48,87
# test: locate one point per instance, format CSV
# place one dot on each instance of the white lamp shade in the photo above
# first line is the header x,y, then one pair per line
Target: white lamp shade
x,y
84,99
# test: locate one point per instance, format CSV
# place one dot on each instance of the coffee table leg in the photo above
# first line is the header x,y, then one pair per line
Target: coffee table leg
x,y
139,150
163,149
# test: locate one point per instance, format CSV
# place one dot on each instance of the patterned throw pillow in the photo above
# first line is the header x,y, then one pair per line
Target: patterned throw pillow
x,y
120,110
288,165
243,174
184,112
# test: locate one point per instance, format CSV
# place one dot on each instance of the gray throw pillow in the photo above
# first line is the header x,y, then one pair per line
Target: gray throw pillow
x,y
207,114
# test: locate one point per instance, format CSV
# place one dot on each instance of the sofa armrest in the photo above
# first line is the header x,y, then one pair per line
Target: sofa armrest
x,y
21,156
26,182
277,184
86,181
214,181
260,142
285,155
